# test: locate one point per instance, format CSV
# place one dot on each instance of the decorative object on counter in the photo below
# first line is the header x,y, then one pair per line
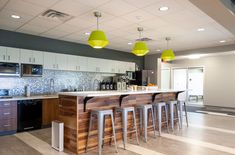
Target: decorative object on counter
x,y
140,48
123,85
97,38
168,54
119,86
27,90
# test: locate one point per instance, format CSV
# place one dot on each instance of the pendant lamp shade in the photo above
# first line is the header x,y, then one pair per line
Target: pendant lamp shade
x,y
140,48
97,37
168,54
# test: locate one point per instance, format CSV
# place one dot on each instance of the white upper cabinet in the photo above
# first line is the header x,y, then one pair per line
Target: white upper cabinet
x,y
31,57
93,65
130,66
8,54
55,61
77,63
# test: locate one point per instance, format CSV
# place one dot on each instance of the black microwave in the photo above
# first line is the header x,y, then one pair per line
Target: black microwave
x,y
28,70
9,69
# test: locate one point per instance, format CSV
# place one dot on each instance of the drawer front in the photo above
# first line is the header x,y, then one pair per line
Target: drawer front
x,y
8,112
8,124
8,104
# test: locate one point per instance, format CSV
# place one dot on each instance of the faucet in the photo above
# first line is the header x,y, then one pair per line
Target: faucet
x,y
96,84
52,86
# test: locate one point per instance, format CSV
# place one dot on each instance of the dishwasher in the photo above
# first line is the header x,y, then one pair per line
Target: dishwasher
x,y
29,115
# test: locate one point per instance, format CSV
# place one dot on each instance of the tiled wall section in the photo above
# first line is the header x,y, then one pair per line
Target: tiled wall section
x,y
41,85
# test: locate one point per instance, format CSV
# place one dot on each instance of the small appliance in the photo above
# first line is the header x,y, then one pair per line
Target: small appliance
x,y
29,70
9,69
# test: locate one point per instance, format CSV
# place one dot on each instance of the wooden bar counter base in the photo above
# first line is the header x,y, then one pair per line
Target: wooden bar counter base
x,y
74,110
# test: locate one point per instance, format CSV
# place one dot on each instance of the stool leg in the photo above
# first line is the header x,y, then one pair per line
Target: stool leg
x,y
186,114
89,129
141,121
135,126
114,134
180,114
124,127
154,125
159,108
145,122
100,132
172,115
167,120
177,113
103,132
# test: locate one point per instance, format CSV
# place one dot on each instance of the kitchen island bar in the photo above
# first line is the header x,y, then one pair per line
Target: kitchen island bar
x,y
74,109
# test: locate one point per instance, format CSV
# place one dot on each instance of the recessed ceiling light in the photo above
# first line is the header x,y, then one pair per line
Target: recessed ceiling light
x,y
158,50
200,29
222,41
15,16
129,43
163,8
87,33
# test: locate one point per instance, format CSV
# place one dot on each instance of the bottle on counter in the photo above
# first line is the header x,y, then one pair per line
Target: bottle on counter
x,y
103,85
27,90
111,85
107,85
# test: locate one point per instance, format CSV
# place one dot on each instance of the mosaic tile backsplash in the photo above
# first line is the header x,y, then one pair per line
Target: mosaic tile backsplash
x,y
62,80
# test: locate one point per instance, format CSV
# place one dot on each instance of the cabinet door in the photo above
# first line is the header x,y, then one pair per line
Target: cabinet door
x,y
72,63
13,55
49,111
93,65
130,66
61,62
49,60
82,63
3,53
121,67
26,56
37,57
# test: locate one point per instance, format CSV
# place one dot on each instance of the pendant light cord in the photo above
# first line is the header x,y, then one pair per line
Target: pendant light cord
x,y
97,23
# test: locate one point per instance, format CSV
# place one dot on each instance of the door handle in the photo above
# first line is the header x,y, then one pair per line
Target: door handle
x,y
6,125
33,59
4,57
29,59
9,57
6,113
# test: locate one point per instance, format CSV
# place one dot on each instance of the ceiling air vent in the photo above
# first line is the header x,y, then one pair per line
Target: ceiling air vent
x,y
229,4
56,15
144,39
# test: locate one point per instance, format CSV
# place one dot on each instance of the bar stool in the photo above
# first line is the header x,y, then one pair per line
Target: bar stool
x,y
182,104
124,111
173,105
158,107
145,110
100,114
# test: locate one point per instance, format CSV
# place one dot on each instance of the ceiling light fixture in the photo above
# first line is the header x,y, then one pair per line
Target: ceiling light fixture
x,y
15,16
140,48
200,29
97,38
158,50
87,33
163,8
168,54
222,41
194,56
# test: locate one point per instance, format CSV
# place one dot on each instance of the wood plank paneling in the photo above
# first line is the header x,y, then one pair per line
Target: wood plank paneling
x,y
49,111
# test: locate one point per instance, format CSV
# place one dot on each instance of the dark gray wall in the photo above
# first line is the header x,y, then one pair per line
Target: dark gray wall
x,y
26,41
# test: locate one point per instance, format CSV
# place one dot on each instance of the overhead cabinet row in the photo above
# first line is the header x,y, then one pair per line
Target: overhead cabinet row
x,y
56,61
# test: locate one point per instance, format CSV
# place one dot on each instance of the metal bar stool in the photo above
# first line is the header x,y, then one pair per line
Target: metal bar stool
x,y
173,105
158,107
124,111
182,104
100,114
145,110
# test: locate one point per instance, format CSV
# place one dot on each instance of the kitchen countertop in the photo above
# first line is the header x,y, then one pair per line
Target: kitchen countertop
x,y
116,93
33,97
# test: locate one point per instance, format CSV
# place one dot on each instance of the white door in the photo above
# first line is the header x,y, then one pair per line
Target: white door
x,y
3,53
49,60
26,56
13,54
165,78
37,57
180,79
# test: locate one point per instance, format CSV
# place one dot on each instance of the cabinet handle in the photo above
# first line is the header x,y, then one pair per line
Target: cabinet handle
x,y
9,57
4,57
6,113
29,59
57,66
60,105
6,125
79,68
33,59
6,104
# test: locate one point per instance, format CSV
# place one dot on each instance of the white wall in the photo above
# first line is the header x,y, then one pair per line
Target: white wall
x,y
219,80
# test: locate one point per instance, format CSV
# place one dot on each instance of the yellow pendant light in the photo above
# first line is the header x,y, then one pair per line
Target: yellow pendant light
x,y
97,38
140,48
168,54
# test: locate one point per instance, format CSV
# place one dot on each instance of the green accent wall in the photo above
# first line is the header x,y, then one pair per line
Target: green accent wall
x,y
26,41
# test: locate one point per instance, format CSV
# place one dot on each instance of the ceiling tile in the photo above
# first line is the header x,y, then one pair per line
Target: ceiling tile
x,y
71,7
24,7
117,7
138,16
141,3
32,29
3,3
44,22
43,3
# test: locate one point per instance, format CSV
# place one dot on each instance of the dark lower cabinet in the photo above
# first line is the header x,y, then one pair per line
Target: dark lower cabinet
x,y
8,117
